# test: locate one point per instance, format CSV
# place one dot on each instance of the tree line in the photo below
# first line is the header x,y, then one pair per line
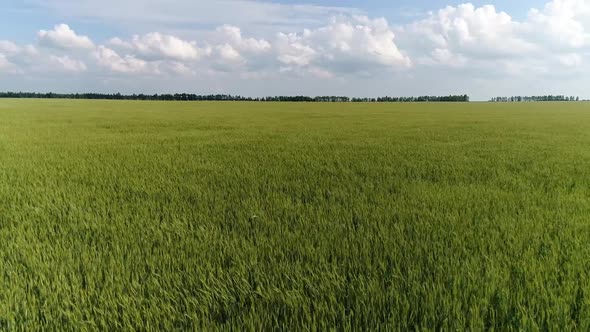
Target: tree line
x,y
518,99
452,98
226,97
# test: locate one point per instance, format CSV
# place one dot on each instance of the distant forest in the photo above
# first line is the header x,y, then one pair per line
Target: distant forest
x,y
223,97
518,99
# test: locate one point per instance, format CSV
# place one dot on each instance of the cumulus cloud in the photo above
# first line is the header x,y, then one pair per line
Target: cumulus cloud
x,y
63,37
16,58
131,64
346,45
465,42
108,58
11,49
231,51
156,53
564,23
179,68
454,37
228,53
6,65
156,45
224,49
484,37
466,31
68,63
233,36
294,51
118,42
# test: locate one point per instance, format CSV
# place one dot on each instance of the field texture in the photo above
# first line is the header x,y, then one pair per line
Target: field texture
x,y
262,216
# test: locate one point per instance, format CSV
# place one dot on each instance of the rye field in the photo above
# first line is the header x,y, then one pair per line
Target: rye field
x,y
294,216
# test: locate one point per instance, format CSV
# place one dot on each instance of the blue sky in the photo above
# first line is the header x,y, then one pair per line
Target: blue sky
x,y
405,9
349,47
17,17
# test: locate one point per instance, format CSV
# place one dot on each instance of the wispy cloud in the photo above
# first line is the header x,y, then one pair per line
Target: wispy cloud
x,y
243,46
256,15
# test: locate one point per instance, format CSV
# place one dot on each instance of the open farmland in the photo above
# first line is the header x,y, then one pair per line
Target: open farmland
x,y
291,216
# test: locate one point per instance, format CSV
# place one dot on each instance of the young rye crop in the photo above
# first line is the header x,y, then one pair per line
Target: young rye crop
x,y
251,216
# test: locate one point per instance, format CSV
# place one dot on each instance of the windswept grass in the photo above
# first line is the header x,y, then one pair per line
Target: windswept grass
x,y
246,216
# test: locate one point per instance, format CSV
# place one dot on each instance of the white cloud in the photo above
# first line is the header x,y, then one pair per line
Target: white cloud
x,y
571,60
262,16
363,39
130,64
108,58
466,30
227,52
63,37
232,52
16,58
225,49
118,42
443,56
233,36
347,45
293,50
469,36
562,23
11,49
299,43
320,73
179,68
158,46
68,63
6,65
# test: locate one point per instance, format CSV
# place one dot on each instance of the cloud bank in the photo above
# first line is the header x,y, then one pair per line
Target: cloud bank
x,y
464,41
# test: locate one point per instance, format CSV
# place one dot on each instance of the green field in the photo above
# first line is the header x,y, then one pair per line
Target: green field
x,y
270,216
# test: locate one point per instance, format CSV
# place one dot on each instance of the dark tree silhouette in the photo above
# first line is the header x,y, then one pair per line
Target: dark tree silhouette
x,y
223,97
518,99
